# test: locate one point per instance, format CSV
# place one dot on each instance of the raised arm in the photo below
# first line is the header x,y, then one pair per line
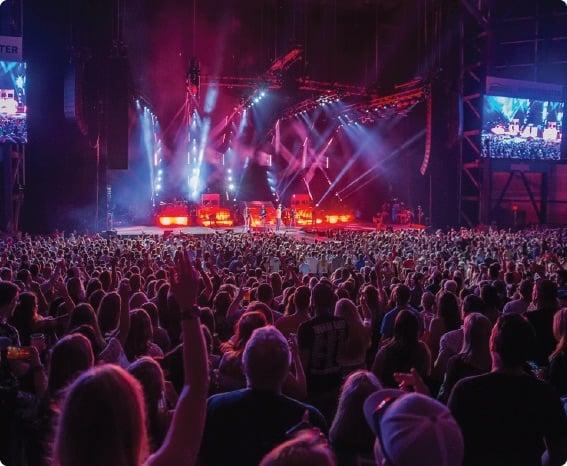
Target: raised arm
x,y
296,382
113,274
124,324
183,440
236,302
208,291
61,290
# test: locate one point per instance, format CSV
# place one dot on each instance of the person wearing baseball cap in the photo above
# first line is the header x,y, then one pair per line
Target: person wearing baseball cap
x,y
412,430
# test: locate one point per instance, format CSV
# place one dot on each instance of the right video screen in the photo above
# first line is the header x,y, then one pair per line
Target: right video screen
x,y
522,129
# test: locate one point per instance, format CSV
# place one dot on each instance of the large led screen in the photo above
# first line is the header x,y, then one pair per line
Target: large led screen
x,y
522,129
13,125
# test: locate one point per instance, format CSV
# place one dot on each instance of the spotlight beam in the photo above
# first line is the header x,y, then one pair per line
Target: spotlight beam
x,y
378,164
345,169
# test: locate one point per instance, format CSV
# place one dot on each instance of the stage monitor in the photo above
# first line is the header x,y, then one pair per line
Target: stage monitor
x,y
13,125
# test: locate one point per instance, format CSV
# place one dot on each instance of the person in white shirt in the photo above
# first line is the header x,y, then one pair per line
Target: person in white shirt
x,y
312,262
323,266
274,264
452,342
303,267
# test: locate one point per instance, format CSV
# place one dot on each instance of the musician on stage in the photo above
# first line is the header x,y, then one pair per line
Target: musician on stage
x,y
263,215
278,217
247,218
420,215
395,211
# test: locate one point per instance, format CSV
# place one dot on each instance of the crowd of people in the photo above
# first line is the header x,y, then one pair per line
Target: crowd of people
x,y
500,147
13,129
403,348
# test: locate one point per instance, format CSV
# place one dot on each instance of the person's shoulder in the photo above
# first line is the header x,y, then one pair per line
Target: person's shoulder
x,y
226,399
451,335
315,416
305,326
390,314
473,382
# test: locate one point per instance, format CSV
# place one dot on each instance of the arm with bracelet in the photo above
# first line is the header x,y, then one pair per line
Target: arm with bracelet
x,y
183,440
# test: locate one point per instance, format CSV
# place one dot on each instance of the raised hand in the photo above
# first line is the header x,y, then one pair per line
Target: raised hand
x,y
185,281
293,345
411,381
124,290
61,288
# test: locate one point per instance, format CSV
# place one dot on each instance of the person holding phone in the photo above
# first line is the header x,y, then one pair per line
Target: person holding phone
x,y
8,300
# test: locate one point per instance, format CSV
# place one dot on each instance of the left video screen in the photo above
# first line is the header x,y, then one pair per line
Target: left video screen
x,y
13,109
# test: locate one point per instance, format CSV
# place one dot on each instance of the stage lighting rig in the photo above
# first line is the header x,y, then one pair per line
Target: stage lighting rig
x,y
193,81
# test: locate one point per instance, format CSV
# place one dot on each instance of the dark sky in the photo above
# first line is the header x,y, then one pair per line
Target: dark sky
x,y
241,38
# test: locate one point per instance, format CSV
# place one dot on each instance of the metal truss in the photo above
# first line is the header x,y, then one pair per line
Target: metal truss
x,y
14,166
472,184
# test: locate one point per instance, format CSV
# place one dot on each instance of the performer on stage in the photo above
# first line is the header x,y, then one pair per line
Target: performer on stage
x,y
278,217
420,216
263,215
247,218
395,211
292,217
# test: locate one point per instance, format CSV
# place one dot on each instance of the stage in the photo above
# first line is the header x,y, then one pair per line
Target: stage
x,y
314,232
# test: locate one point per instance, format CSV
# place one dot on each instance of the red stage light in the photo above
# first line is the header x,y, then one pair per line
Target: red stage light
x,y
168,221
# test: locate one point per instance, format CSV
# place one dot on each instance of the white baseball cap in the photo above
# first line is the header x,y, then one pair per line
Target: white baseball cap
x,y
413,429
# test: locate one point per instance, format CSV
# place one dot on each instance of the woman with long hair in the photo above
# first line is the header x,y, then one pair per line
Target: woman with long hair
x,y
448,318
351,438
403,352
231,374
139,341
557,370
83,314
474,358
150,375
103,422
352,355
296,313
547,305
221,303
27,320
108,314
70,356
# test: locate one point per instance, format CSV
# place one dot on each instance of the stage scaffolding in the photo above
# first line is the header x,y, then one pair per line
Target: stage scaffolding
x,y
517,40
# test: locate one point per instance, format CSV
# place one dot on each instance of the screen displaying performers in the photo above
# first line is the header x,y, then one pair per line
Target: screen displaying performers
x,y
13,109
523,129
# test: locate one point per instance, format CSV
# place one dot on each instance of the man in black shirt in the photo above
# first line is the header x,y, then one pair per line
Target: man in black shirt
x,y
508,417
320,340
242,426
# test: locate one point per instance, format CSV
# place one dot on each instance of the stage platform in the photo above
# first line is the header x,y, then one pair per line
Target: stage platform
x,y
314,232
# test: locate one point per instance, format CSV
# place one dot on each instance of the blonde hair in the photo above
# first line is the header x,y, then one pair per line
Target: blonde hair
x,y
349,426
307,449
102,421
560,331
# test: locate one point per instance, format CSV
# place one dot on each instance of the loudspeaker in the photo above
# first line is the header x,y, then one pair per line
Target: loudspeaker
x,y
116,113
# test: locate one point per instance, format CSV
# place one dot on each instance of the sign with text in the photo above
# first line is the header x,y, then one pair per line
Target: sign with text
x,y
10,48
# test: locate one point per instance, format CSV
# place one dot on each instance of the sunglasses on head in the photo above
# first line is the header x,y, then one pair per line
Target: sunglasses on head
x,y
378,415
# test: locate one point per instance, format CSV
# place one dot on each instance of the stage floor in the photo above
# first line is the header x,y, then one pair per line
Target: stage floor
x,y
311,231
